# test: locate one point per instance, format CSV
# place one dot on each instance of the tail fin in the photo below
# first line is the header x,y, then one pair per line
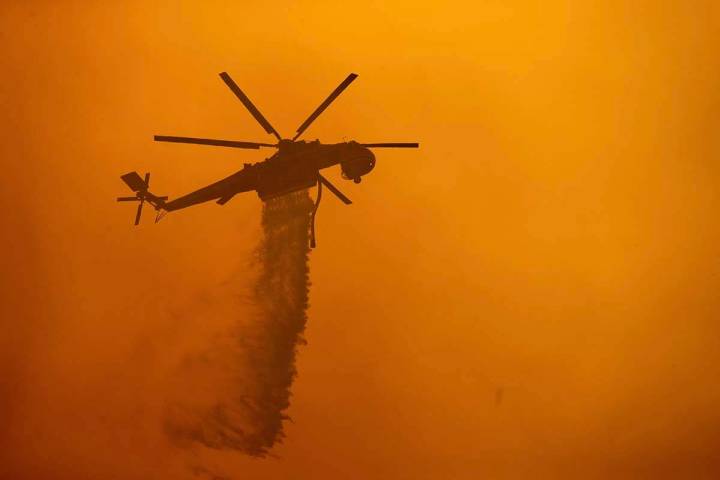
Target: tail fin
x,y
140,187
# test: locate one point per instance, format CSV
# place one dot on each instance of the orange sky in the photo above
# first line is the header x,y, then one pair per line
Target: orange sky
x,y
555,238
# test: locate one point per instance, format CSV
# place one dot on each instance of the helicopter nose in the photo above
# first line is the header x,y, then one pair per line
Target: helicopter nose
x,y
368,157
371,159
360,162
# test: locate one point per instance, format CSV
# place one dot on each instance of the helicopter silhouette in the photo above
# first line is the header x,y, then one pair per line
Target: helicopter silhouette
x,y
294,166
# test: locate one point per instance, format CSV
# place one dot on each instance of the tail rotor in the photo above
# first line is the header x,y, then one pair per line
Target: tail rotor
x,y
141,188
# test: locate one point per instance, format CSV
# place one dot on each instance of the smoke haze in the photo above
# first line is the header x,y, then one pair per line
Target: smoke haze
x,y
555,239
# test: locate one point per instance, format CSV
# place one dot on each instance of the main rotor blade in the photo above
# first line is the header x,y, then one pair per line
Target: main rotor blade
x,y
390,145
334,190
325,104
139,211
210,141
248,104
127,199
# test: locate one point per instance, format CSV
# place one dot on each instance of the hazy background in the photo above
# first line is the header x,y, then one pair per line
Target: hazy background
x,y
532,294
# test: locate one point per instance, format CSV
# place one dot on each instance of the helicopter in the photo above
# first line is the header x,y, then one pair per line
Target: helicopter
x,y
294,166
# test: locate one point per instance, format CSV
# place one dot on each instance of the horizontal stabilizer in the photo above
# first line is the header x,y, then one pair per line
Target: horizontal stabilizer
x,y
134,181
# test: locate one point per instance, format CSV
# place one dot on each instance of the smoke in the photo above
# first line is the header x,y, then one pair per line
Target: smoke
x,y
242,381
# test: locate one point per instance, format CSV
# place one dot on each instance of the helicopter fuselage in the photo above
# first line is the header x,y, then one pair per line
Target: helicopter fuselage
x,y
293,167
